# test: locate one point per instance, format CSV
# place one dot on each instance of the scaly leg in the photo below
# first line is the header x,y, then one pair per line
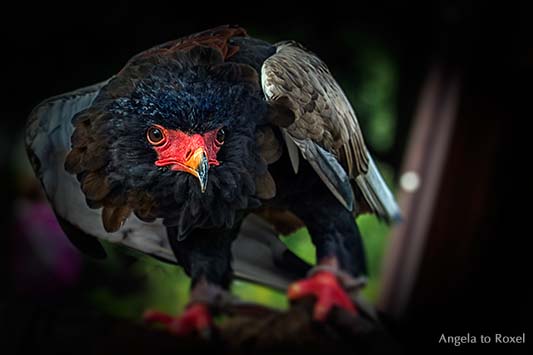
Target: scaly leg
x,y
340,254
206,258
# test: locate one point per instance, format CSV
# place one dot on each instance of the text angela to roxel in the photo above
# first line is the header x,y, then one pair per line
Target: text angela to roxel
x,y
496,338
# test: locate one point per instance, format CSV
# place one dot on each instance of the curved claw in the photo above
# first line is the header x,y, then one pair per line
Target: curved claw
x,y
195,319
328,292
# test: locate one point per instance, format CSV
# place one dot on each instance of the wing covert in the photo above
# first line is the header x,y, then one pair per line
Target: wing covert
x,y
323,114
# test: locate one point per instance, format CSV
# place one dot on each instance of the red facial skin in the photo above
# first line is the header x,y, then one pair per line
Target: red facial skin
x,y
178,149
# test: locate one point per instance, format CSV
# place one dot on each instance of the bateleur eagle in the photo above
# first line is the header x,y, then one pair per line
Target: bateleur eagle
x,y
178,154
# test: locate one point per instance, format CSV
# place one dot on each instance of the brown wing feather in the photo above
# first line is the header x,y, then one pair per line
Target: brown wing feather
x,y
217,38
322,111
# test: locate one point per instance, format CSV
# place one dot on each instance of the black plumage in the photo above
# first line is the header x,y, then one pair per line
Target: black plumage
x,y
194,92
268,106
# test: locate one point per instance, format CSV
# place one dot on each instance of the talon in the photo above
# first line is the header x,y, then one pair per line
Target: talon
x,y
328,292
195,319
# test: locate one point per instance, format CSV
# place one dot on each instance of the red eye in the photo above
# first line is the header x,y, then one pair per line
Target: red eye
x,y
221,135
156,135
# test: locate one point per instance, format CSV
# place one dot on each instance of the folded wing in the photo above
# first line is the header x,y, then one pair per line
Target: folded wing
x,y
324,128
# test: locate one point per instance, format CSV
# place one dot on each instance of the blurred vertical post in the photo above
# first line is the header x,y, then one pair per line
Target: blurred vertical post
x,y
420,180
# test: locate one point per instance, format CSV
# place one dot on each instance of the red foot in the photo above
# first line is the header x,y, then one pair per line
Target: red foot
x,y
325,287
196,318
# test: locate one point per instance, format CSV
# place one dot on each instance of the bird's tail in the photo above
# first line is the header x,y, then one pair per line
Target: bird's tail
x,y
377,194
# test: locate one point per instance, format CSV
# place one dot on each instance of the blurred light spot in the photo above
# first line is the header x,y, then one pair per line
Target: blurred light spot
x,y
410,181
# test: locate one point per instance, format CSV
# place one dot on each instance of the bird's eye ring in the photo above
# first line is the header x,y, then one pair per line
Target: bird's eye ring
x,y
156,135
221,135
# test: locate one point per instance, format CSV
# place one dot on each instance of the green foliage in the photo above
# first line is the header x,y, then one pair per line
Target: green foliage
x,y
248,291
152,284
371,86
375,99
300,244
375,239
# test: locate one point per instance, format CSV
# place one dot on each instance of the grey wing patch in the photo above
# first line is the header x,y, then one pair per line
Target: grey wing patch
x,y
49,117
48,134
292,149
378,195
259,256
329,170
85,243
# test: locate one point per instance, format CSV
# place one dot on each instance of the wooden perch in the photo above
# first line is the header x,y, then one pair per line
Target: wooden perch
x,y
257,330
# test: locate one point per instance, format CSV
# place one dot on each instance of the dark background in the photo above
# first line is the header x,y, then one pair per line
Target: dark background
x,y
48,50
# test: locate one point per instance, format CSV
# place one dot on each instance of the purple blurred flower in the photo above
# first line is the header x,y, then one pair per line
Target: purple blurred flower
x,y
43,258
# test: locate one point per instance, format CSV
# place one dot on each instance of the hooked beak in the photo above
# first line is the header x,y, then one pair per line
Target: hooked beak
x,y
198,165
192,154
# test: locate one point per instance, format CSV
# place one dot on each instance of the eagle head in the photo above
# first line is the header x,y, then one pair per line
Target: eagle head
x,y
171,138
